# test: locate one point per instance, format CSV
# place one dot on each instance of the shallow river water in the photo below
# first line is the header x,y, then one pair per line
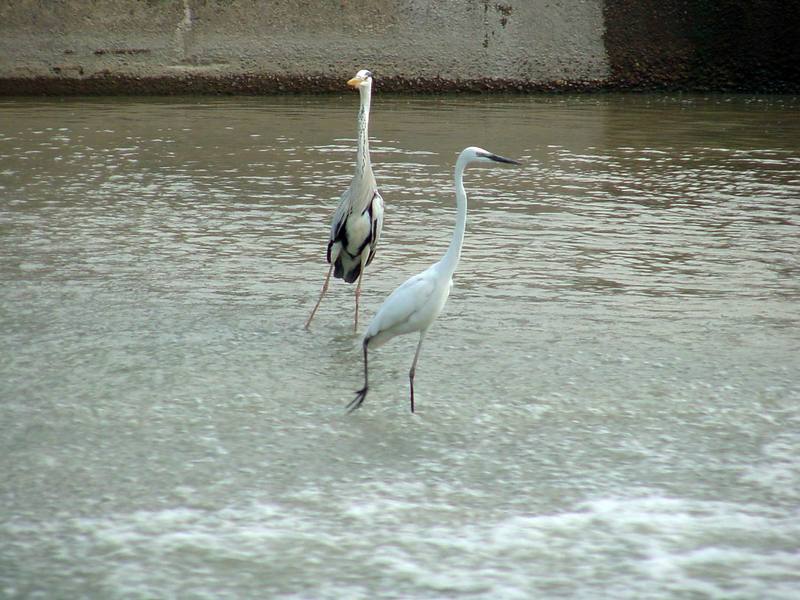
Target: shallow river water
x,y
609,406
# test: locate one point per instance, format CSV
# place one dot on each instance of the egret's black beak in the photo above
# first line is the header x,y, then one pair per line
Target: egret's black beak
x,y
503,159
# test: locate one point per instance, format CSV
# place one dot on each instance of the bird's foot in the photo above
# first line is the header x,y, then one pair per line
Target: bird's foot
x,y
356,402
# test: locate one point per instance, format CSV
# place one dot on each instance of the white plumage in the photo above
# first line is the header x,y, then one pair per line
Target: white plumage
x,y
415,304
358,220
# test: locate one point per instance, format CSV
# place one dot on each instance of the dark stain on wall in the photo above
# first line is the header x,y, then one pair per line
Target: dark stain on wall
x,y
720,45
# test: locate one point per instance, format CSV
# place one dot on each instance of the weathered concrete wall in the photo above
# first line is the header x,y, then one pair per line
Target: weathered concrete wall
x,y
263,46
298,44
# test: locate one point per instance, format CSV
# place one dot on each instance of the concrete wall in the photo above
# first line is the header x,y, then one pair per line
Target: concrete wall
x,y
264,46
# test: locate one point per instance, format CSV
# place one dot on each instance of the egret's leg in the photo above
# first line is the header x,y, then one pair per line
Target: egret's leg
x,y
358,295
414,368
324,289
362,393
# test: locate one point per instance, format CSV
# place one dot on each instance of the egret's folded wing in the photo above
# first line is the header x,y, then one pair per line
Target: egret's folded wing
x,y
403,303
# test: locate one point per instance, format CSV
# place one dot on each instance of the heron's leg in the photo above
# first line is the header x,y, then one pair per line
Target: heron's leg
x,y
362,393
414,368
358,295
324,289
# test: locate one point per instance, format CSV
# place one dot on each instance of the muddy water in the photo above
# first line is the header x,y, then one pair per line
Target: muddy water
x,y
608,407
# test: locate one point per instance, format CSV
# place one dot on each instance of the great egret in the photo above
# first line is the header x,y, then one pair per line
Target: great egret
x,y
358,220
414,305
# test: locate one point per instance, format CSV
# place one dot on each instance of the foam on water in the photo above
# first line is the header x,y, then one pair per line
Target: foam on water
x,y
637,547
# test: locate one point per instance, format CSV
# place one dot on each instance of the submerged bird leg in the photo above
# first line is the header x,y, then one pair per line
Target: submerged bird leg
x,y
358,295
414,369
362,393
324,289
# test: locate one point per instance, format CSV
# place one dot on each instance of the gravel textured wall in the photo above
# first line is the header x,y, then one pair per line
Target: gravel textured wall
x,y
268,46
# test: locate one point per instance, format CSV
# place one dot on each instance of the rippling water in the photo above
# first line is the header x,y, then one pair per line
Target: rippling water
x,y
609,407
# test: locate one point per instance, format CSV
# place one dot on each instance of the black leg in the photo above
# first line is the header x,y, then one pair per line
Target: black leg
x,y
414,368
362,393
411,379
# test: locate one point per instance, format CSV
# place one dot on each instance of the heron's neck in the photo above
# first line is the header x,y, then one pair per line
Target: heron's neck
x,y
363,166
450,260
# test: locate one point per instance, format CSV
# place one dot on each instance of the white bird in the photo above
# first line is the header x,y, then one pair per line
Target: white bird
x,y
358,220
414,305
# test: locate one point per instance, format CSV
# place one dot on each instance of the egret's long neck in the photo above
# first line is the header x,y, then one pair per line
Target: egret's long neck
x,y
363,166
450,260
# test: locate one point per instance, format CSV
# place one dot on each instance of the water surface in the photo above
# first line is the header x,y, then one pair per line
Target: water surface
x,y
609,406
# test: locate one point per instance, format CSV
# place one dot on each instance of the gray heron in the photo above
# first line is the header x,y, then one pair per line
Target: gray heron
x,y
358,219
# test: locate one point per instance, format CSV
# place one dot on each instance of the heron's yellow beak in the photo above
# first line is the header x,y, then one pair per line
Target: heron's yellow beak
x,y
355,82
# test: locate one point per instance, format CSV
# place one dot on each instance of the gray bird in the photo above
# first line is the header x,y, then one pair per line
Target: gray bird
x,y
358,220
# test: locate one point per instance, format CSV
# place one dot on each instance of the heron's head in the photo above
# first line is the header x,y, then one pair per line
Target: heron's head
x,y
475,154
363,79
